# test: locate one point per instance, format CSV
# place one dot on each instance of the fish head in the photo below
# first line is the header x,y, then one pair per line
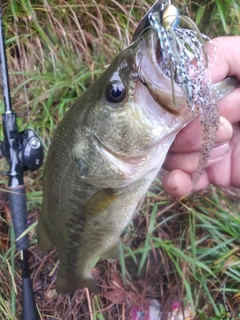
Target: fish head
x,y
132,115
135,104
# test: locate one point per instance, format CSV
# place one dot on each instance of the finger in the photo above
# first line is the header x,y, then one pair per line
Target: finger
x,y
178,183
226,64
202,183
220,173
235,160
225,58
189,139
188,162
230,106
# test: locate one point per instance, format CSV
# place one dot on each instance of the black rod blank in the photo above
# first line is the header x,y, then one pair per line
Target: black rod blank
x,y
5,79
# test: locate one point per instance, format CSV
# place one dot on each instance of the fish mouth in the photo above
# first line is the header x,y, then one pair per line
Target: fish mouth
x,y
153,51
158,52
162,88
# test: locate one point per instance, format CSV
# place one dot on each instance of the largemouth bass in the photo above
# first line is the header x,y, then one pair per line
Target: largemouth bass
x,y
104,156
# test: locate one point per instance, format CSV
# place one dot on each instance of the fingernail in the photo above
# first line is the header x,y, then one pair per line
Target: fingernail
x,y
172,183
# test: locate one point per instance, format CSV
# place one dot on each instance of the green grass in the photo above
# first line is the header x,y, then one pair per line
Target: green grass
x,y
202,249
186,251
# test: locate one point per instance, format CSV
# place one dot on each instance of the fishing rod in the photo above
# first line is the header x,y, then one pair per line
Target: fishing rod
x,y
23,151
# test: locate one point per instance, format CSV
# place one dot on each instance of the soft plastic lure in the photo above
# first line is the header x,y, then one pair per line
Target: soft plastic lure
x,y
184,59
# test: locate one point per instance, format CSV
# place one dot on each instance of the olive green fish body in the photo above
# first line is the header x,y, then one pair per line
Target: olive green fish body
x,y
82,221
93,229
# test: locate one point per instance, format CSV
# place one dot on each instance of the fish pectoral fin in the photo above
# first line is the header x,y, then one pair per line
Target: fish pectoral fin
x,y
70,283
99,202
113,253
44,241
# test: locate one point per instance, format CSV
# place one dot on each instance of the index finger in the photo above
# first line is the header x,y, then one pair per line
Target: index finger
x,y
189,139
227,63
226,58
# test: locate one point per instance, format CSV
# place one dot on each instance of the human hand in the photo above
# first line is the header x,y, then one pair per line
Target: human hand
x,y
223,168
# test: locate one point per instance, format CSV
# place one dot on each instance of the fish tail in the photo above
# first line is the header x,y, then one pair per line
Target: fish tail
x,y
69,284
44,241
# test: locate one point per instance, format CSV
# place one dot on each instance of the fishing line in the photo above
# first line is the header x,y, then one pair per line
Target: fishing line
x,y
20,58
128,22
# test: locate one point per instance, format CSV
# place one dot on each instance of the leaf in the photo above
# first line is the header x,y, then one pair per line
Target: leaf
x,y
199,15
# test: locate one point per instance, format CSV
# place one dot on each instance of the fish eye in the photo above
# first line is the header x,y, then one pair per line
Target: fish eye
x,y
116,92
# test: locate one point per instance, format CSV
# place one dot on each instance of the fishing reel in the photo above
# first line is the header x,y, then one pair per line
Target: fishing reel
x,y
27,145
